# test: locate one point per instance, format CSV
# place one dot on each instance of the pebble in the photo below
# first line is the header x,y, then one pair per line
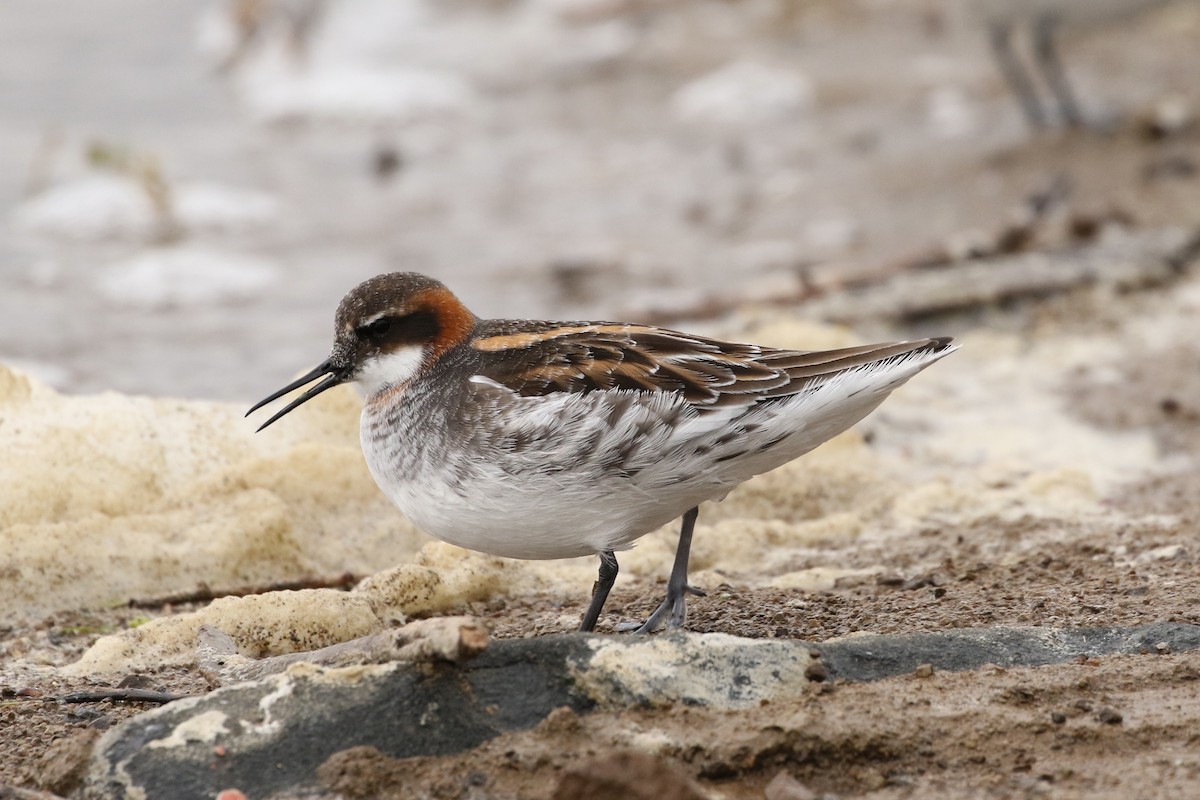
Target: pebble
x,y
1170,552
1171,116
784,787
816,672
743,93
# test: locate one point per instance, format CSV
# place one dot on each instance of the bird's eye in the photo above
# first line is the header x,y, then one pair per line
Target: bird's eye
x,y
395,329
377,328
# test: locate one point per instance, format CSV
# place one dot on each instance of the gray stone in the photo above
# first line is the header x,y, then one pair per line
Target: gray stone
x,y
871,658
268,737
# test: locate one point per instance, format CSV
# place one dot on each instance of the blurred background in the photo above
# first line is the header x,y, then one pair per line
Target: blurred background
x,y
187,189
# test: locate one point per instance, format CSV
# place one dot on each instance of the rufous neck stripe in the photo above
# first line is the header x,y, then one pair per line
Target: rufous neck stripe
x,y
455,320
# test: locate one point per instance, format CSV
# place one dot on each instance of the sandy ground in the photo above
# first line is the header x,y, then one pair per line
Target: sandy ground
x,y
924,524
1112,727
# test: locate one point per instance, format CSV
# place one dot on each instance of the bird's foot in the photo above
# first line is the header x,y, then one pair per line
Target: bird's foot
x,y
673,609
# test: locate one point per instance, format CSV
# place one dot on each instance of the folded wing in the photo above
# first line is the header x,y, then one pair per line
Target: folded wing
x,y
535,359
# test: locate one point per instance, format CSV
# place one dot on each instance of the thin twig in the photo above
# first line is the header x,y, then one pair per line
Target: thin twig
x,y
204,594
128,695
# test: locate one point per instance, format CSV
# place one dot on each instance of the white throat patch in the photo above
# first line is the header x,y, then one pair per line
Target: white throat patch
x,y
390,369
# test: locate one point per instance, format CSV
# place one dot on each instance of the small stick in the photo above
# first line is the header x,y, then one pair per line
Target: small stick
x,y
128,695
204,594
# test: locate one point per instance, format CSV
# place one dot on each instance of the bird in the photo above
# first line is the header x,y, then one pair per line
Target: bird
x,y
533,439
1044,19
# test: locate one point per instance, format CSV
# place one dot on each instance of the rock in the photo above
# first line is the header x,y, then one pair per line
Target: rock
x,y
89,209
951,114
872,657
99,207
212,207
1170,552
274,733
358,94
714,670
1169,117
449,639
300,718
784,787
743,93
185,276
816,672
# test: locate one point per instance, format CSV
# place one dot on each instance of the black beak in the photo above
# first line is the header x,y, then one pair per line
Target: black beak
x,y
334,375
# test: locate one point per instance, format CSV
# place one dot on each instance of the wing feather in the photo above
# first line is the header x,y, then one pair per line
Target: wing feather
x,y
540,358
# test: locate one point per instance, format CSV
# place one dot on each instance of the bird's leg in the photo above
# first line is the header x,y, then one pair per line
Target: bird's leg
x,y
600,589
674,607
1016,76
1046,52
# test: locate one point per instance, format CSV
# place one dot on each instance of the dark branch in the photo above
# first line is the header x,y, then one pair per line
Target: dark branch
x,y
127,695
205,594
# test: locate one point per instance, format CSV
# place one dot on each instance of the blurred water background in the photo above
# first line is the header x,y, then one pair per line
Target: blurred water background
x,y
188,188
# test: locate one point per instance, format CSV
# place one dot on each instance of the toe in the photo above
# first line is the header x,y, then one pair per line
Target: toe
x,y
678,613
656,619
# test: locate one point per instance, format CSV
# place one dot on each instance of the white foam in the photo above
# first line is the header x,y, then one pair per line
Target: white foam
x,y
744,93
186,276
96,207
